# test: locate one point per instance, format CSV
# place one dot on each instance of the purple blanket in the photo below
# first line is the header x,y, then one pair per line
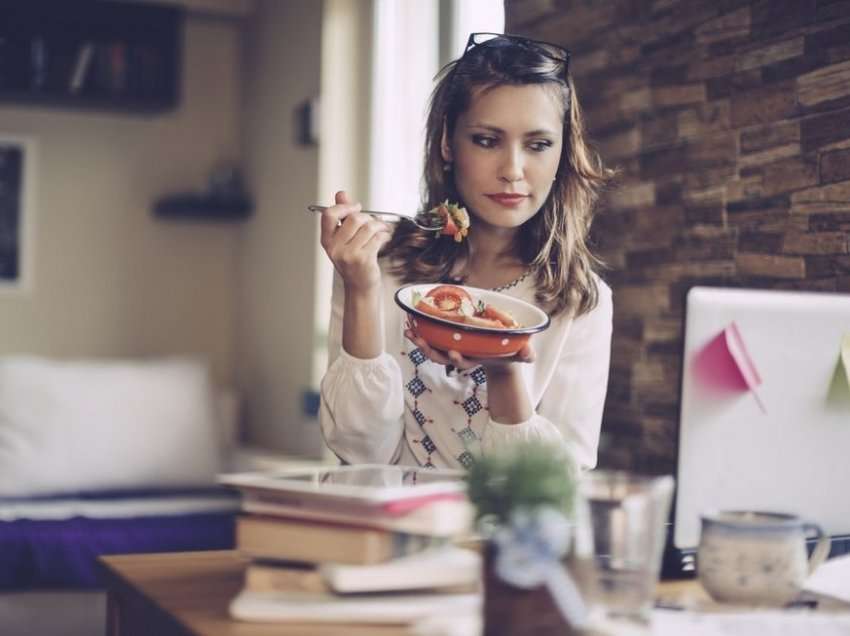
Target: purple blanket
x,y
41,554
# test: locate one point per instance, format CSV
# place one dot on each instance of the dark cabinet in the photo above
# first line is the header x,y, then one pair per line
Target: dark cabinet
x,y
90,54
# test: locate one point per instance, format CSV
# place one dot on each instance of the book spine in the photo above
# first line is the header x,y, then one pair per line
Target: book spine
x,y
38,58
404,506
404,544
299,501
263,507
271,538
81,67
440,519
280,578
396,508
118,68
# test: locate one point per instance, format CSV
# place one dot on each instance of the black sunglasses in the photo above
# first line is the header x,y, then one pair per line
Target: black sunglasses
x,y
552,51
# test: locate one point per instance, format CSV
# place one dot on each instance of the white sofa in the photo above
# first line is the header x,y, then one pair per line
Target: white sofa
x,y
151,429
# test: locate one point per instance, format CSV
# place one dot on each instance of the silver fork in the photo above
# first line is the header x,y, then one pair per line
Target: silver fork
x,y
420,220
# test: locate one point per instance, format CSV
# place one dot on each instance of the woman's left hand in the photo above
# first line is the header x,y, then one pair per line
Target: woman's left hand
x,y
455,359
508,401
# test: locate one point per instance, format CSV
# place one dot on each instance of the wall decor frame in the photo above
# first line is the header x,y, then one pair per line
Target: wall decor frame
x,y
17,211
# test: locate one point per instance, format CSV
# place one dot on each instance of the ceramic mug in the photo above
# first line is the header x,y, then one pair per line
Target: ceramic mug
x,y
757,558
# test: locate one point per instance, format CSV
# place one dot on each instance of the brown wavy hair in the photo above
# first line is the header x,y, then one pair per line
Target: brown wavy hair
x,y
554,241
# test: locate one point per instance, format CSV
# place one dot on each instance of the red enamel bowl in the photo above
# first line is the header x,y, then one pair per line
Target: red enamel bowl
x,y
470,340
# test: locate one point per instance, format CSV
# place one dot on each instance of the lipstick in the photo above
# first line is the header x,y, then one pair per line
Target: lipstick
x,y
509,200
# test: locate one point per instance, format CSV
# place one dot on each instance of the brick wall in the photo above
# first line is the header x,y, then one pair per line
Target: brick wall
x,y
729,121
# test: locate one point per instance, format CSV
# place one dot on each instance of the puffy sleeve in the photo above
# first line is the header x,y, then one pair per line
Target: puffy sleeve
x,y
362,404
570,410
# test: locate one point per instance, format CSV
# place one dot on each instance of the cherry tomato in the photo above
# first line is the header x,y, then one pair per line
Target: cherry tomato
x,y
450,227
448,297
431,310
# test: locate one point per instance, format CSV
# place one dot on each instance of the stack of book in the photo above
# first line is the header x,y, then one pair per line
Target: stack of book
x,y
339,546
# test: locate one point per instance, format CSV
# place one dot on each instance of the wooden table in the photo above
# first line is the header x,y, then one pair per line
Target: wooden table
x,y
184,593
189,592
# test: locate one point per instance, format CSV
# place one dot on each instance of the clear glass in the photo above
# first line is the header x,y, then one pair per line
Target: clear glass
x,y
618,560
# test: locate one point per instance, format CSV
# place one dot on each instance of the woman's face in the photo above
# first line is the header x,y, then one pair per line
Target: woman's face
x,y
505,149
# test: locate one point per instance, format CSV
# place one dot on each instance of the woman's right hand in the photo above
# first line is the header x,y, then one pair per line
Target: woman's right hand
x,y
352,241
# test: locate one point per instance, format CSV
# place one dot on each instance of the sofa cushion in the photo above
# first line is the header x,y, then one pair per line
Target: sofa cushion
x,y
106,424
63,553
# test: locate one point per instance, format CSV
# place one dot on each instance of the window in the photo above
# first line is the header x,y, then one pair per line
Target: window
x,y
409,42
406,57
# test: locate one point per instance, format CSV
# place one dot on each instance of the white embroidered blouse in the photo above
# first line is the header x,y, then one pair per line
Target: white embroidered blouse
x,y
401,408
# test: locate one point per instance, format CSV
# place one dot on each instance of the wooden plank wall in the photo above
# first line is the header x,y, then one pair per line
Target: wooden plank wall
x,y
729,122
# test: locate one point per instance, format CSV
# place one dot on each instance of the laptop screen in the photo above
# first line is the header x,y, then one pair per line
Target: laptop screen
x,y
765,409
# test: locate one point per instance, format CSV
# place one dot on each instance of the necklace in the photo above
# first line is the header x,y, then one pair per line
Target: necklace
x,y
514,282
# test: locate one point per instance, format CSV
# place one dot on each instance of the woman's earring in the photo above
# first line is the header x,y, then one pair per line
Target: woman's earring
x,y
447,167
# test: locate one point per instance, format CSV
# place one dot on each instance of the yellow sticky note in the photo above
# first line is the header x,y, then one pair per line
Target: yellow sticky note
x,y
845,356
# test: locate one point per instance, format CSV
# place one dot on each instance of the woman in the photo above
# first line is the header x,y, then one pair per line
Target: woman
x,y
504,139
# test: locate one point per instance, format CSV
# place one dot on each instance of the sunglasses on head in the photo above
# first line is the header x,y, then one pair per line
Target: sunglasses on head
x,y
552,51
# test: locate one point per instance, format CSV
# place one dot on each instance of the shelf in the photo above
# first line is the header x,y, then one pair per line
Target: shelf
x,y
86,102
90,54
204,207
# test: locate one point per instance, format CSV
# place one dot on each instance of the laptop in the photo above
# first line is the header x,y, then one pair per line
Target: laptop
x,y
765,412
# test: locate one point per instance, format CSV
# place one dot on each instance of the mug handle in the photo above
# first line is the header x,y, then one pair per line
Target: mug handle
x,y
821,550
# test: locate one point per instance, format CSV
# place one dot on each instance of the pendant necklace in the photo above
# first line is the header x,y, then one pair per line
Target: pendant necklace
x,y
514,282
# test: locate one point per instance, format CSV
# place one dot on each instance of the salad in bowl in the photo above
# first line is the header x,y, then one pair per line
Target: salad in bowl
x,y
477,323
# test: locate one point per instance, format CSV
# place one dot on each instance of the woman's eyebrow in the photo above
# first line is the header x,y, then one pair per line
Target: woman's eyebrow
x,y
496,129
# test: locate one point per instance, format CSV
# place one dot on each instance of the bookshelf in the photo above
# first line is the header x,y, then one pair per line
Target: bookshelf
x,y
120,56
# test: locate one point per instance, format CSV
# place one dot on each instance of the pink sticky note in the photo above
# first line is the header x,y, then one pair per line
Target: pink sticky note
x,y
739,352
845,356
725,365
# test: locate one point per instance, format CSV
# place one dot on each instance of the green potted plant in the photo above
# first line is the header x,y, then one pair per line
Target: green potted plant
x,y
526,511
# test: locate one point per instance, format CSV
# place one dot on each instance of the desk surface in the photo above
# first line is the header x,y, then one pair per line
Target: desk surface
x,y
188,593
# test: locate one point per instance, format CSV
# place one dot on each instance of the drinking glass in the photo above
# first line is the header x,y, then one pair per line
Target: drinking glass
x,y
624,546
